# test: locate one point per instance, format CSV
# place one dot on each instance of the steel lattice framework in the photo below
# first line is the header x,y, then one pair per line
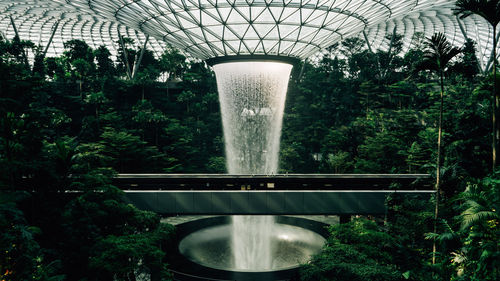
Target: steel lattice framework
x,y
213,28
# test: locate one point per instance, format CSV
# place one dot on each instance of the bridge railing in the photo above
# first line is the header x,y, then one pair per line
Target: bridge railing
x,y
181,276
272,182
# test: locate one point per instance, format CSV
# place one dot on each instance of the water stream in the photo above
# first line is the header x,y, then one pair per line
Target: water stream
x,y
252,97
251,245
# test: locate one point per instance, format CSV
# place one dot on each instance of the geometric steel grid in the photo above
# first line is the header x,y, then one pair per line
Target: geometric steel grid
x,y
213,28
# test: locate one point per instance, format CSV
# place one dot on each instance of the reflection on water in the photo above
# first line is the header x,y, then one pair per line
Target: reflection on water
x,y
290,246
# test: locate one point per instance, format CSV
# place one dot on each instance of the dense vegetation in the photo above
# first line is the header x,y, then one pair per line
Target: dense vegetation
x,y
379,113
71,122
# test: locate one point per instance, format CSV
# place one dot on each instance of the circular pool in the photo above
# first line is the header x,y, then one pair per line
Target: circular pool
x,y
206,249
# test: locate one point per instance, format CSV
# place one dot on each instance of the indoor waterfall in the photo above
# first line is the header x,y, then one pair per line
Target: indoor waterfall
x,y
252,98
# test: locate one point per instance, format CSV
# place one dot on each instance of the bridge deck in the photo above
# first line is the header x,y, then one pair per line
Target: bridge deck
x,y
306,194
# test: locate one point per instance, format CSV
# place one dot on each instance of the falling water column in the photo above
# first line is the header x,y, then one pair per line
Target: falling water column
x,y
252,97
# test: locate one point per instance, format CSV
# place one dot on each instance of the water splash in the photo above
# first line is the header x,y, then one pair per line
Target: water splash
x,y
252,97
251,242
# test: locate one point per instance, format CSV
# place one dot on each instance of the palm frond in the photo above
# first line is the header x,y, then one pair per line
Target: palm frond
x,y
431,236
475,201
473,192
437,53
447,235
475,218
447,226
487,9
465,8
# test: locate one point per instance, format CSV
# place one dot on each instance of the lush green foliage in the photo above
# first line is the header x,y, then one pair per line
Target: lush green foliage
x,y
342,116
475,241
72,122
62,129
359,251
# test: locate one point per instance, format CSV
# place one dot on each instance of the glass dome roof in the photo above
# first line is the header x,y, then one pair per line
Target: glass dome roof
x,y
213,28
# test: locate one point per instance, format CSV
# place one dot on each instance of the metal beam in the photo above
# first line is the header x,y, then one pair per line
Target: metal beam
x,y
54,29
125,56
392,40
367,42
4,37
25,57
464,33
302,70
489,66
138,62
291,176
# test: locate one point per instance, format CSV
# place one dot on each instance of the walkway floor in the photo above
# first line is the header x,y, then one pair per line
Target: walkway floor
x,y
182,219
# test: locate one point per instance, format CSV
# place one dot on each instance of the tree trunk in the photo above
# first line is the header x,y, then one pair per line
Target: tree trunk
x,y
156,135
496,103
438,166
97,118
80,89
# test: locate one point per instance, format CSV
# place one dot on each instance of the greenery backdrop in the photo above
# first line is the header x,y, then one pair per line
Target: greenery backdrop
x,y
72,122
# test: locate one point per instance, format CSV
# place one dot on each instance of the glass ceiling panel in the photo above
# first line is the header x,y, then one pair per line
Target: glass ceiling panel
x,y
208,28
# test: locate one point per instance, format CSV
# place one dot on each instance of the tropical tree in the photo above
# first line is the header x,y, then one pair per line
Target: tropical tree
x,y
105,66
437,55
480,204
479,258
172,63
490,11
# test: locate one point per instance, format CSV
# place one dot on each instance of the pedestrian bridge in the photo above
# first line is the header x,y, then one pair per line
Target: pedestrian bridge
x,y
294,194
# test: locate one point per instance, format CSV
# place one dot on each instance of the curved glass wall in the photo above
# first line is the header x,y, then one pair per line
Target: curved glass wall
x,y
212,28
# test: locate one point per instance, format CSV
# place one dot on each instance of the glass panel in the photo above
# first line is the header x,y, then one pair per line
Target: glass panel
x,y
251,34
95,22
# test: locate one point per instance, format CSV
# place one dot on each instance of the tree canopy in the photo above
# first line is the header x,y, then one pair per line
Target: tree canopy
x,y
70,123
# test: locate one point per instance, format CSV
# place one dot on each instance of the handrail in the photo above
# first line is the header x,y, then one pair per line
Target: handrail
x,y
195,276
276,176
